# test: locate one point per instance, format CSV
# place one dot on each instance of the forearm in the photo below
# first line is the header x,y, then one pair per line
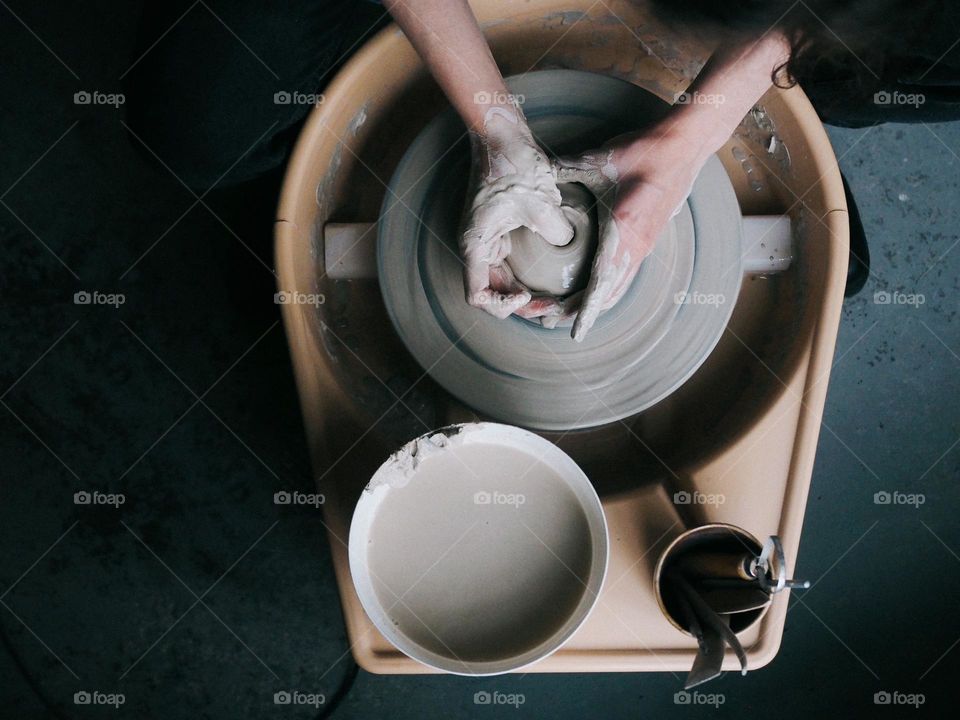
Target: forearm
x,y
448,39
729,85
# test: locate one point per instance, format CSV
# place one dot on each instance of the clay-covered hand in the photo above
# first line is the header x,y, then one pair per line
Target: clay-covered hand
x,y
640,181
515,186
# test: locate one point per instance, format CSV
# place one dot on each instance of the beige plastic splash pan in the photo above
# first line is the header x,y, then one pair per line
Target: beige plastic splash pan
x,y
745,427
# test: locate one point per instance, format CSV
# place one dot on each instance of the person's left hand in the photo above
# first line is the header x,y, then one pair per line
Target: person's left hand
x,y
640,181
513,186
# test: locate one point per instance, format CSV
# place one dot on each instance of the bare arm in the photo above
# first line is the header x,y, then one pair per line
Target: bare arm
x,y
446,35
512,182
654,169
736,77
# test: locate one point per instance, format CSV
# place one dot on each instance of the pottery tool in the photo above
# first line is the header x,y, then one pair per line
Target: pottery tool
x,y
707,664
519,371
717,565
733,600
768,569
709,661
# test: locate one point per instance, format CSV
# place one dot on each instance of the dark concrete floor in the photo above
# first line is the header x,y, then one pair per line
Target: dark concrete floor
x,y
201,598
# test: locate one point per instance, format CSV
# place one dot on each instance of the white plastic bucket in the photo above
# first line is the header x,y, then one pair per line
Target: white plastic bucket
x,y
478,549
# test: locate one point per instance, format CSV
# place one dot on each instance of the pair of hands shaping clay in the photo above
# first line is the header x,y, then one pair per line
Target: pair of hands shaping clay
x,y
541,240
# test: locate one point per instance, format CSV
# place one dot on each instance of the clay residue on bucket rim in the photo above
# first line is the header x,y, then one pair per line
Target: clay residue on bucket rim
x,y
402,465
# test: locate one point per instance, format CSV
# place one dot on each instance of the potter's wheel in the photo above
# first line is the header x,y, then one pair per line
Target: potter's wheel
x,y
517,371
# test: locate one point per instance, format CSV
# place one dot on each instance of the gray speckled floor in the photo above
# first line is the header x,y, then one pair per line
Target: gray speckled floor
x,y
199,597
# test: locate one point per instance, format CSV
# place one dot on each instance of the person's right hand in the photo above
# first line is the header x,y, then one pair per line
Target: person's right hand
x,y
640,181
513,185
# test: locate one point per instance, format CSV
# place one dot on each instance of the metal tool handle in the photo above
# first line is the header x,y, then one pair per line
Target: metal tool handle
x,y
770,568
732,565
